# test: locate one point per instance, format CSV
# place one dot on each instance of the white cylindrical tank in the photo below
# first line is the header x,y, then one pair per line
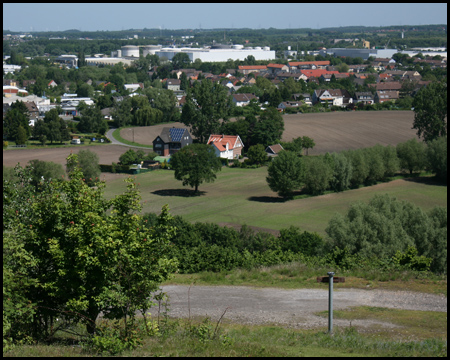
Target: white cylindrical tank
x,y
248,48
130,51
258,48
289,48
119,53
151,49
266,48
238,47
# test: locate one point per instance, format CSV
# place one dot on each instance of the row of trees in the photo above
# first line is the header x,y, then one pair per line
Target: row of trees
x,y
353,168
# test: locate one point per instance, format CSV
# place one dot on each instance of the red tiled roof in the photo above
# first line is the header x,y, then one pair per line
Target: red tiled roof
x,y
317,72
220,141
252,67
279,66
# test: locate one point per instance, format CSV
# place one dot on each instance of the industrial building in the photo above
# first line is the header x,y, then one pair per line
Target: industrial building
x,y
362,53
219,53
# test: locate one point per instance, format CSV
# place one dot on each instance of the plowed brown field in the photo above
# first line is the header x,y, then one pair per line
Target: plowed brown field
x,y
335,131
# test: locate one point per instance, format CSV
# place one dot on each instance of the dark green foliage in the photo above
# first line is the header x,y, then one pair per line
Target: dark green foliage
x,y
195,164
342,172
386,225
257,154
308,143
269,128
285,173
89,163
309,244
317,175
411,155
45,171
430,111
52,128
92,121
375,163
436,157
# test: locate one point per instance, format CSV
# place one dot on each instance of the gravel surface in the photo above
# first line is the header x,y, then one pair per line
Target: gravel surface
x,y
291,308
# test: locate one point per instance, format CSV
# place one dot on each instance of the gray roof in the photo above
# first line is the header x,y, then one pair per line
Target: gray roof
x,y
172,134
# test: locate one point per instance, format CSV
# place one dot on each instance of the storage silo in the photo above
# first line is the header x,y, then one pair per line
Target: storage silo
x,y
238,47
130,51
151,49
266,48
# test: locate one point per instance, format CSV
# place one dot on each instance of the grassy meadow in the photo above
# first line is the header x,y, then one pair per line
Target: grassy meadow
x,y
242,196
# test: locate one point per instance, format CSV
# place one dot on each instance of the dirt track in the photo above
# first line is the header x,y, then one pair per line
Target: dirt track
x,y
291,308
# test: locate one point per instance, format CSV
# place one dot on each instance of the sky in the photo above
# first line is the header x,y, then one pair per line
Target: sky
x,y
114,16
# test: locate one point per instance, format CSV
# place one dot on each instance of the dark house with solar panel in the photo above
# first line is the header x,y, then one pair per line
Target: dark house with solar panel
x,y
171,140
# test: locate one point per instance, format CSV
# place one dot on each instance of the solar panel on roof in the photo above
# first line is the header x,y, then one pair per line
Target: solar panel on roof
x,y
176,134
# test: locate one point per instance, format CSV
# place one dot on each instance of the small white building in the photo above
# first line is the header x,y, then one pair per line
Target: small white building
x,y
226,146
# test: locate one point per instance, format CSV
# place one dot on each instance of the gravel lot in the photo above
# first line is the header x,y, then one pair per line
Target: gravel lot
x,y
290,308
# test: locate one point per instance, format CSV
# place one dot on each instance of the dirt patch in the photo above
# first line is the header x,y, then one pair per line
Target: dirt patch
x,y
291,308
333,131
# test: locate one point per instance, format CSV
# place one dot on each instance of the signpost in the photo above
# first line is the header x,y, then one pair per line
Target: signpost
x,y
330,280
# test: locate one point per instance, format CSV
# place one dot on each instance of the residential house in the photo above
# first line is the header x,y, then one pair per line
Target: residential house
x,y
226,146
296,66
364,97
274,69
404,75
295,76
27,83
106,113
171,140
305,98
336,97
33,111
243,99
52,84
289,104
247,69
357,68
382,96
387,86
9,82
274,150
338,76
173,84
317,73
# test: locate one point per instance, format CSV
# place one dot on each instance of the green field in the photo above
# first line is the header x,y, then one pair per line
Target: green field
x,y
242,196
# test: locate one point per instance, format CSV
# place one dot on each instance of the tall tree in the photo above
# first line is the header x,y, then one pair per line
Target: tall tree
x,y
411,154
269,128
285,173
430,111
206,104
180,60
195,164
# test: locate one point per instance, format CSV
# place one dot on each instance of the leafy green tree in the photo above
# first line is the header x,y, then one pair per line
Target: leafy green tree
x,y
390,160
128,157
269,128
436,157
88,162
180,61
184,82
317,175
21,137
16,117
44,170
359,165
430,111
285,173
257,154
296,145
88,259
309,244
411,154
195,164
92,121
386,225
206,105
374,159
342,172
307,143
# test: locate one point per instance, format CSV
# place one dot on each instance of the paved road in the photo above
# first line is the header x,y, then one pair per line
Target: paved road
x,y
292,308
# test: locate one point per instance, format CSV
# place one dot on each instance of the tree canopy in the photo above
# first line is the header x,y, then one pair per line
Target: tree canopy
x,y
285,173
195,164
430,111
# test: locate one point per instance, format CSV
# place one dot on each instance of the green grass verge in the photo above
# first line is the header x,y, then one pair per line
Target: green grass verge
x,y
116,135
195,338
409,324
242,196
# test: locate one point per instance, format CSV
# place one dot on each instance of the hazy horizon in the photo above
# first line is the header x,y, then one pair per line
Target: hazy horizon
x,y
41,17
